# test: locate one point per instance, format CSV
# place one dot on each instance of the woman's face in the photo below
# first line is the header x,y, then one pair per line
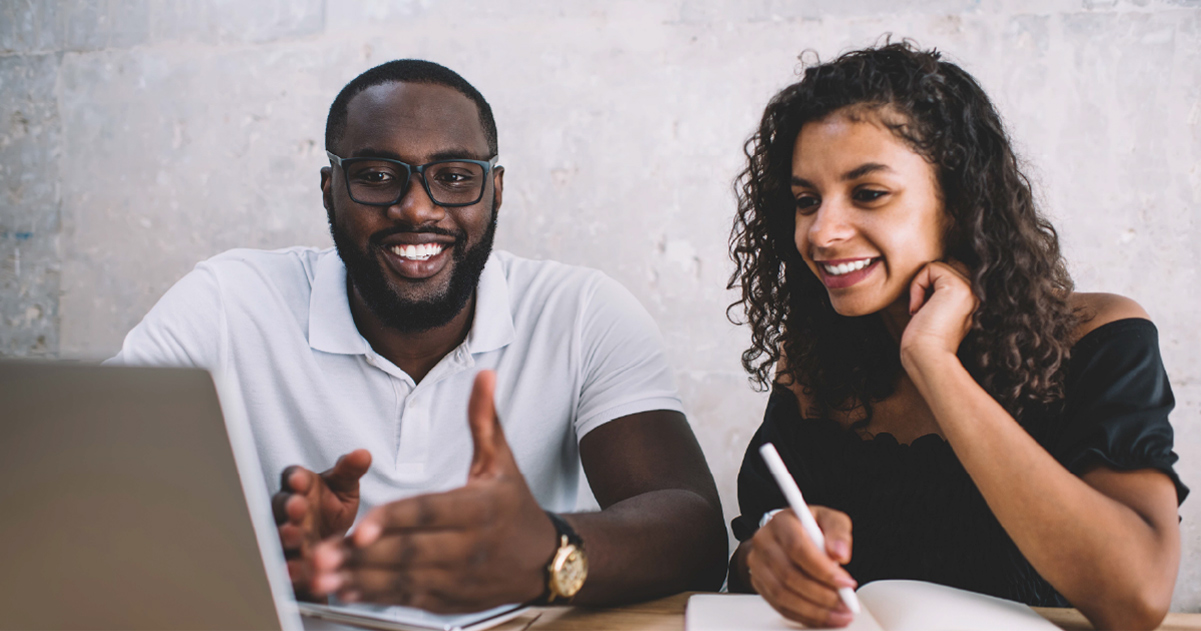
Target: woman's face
x,y
869,214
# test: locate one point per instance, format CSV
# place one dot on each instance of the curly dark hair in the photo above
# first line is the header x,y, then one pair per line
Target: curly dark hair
x,y
1021,334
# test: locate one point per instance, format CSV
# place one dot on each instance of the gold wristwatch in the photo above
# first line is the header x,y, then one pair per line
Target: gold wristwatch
x,y
568,566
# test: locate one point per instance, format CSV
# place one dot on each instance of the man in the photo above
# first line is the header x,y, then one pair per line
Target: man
x,y
370,352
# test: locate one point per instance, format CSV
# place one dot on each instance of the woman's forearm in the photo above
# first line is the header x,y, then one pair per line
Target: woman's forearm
x,y
739,578
1114,562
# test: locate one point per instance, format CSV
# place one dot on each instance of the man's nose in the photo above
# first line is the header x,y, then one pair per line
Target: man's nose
x,y
415,206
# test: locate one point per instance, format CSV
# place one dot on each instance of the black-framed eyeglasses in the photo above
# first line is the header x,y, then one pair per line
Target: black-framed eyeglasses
x,y
384,182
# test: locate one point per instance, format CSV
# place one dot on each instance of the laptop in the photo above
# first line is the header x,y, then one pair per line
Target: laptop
x,y
125,504
133,498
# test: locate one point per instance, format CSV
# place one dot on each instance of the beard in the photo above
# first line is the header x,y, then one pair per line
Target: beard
x,y
365,273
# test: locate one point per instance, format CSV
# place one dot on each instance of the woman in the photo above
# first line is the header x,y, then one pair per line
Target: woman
x,y
938,386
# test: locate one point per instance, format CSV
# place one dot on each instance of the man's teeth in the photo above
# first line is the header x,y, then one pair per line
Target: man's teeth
x,y
846,268
418,252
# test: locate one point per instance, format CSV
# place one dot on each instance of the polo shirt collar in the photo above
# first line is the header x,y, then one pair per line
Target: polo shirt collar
x,y
331,325
492,326
332,328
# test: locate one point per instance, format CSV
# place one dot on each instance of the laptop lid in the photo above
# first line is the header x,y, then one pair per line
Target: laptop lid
x,y
121,504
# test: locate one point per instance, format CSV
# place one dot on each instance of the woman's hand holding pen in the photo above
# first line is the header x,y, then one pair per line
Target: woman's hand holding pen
x,y
484,544
794,576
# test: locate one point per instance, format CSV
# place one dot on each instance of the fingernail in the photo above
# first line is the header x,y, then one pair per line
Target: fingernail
x,y
328,558
326,583
840,619
840,549
846,581
367,533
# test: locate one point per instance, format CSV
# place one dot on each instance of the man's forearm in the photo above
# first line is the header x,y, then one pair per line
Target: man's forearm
x,y
653,544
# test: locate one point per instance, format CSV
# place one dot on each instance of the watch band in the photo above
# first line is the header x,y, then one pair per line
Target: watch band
x,y
564,529
565,536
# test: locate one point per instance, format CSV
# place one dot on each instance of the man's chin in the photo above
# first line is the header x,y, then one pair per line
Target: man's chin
x,y
423,296
415,305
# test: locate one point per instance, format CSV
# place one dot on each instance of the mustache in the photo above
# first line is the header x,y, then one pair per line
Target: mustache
x,y
377,239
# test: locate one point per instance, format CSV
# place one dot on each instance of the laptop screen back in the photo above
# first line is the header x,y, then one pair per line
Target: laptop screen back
x,y
121,505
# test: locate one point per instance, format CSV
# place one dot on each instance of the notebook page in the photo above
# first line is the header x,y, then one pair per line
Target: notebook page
x,y
749,612
901,605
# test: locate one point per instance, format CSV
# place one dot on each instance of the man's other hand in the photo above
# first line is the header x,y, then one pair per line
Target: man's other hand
x,y
479,546
310,507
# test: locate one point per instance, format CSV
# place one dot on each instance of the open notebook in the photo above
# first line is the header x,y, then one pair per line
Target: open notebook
x,y
887,605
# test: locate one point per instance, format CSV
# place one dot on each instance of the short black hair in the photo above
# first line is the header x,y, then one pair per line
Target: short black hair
x,y
406,71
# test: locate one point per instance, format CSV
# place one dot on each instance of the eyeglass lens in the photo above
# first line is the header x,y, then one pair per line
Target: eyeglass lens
x,y
382,182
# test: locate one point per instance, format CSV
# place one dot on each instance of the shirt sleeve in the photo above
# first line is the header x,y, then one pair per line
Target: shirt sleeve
x,y
758,492
624,367
185,328
1117,404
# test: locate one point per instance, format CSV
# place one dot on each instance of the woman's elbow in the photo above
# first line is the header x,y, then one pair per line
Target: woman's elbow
x,y
1144,607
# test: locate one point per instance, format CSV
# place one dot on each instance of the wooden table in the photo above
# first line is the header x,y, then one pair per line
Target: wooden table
x,y
667,614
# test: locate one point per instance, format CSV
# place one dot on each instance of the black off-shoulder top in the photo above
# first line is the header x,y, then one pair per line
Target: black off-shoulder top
x,y
916,512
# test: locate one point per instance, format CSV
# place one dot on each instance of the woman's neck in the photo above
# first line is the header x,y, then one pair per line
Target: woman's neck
x,y
896,317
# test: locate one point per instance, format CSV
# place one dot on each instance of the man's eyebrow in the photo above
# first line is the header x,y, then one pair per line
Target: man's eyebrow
x,y
458,154
445,154
368,152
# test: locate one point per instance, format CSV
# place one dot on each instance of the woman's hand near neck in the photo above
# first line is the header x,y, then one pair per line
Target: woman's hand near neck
x,y
941,304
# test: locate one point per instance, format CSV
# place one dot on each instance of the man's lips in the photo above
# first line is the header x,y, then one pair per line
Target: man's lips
x,y
416,260
415,238
418,252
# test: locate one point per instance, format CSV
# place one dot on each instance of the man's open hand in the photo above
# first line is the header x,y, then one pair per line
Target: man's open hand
x,y
472,548
310,507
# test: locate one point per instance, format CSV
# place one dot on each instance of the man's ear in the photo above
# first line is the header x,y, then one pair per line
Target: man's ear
x,y
327,189
498,187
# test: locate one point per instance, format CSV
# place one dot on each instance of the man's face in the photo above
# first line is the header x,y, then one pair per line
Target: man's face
x,y
413,264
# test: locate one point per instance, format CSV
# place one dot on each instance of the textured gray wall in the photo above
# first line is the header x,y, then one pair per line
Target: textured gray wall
x,y
139,137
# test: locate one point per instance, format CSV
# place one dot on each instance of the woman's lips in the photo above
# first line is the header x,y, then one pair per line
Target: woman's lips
x,y
842,281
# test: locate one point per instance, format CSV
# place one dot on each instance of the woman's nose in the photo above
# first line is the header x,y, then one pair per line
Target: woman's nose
x,y
829,224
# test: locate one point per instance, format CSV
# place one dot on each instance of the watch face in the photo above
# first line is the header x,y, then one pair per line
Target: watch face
x,y
570,570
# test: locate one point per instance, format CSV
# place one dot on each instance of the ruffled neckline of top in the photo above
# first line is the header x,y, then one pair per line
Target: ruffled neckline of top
x,y
837,456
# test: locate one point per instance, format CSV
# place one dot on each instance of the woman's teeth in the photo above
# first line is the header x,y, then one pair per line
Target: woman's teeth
x,y
846,268
419,252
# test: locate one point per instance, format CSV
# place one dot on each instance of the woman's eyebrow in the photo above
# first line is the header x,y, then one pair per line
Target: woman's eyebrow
x,y
853,174
802,182
864,169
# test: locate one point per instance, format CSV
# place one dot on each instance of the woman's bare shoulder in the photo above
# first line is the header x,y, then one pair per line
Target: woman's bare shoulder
x,y
1097,309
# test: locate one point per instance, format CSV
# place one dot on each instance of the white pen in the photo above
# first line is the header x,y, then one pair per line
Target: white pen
x,y
796,501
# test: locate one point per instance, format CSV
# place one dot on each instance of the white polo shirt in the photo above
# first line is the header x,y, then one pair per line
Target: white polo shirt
x,y
572,350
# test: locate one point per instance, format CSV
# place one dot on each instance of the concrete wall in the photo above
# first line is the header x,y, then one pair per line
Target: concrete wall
x,y
139,137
